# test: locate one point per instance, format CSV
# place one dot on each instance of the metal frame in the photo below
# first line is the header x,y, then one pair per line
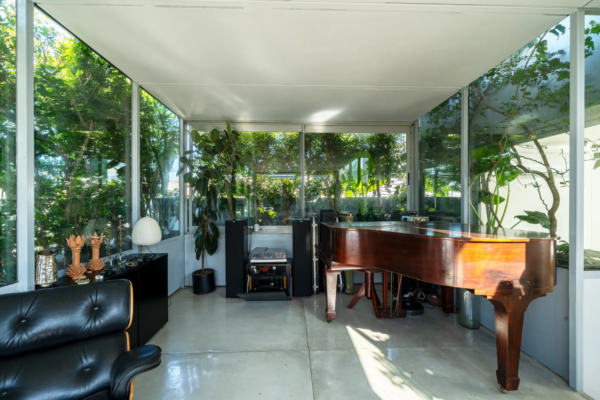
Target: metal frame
x,y
25,147
464,156
576,196
413,195
135,156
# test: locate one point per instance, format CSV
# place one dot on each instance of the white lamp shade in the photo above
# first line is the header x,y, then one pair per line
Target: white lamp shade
x,y
146,232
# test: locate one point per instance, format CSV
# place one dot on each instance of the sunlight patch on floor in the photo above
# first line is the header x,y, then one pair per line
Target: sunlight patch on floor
x,y
386,380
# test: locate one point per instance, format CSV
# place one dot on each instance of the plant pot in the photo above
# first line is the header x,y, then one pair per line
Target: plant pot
x,y
203,283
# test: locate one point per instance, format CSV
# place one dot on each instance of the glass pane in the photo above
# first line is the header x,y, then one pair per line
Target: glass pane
x,y
159,155
8,182
439,162
518,127
592,143
359,173
82,144
266,185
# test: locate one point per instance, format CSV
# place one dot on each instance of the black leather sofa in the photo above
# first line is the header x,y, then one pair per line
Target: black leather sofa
x,y
70,343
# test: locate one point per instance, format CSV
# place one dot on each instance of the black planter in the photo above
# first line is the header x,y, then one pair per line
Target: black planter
x,y
203,283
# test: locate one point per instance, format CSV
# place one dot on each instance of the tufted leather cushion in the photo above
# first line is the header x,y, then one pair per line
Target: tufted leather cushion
x,y
42,319
69,372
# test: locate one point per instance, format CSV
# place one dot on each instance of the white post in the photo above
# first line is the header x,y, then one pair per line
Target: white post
x,y
135,156
576,142
25,149
464,156
182,199
410,142
414,176
302,156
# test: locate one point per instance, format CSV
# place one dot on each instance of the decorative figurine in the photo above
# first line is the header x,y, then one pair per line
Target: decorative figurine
x,y
76,270
96,263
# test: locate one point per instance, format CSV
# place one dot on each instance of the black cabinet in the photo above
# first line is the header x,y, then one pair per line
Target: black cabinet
x,y
150,281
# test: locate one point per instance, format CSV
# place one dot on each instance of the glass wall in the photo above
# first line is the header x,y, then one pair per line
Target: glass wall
x,y
82,144
159,162
269,184
266,183
359,173
440,161
518,127
592,143
8,183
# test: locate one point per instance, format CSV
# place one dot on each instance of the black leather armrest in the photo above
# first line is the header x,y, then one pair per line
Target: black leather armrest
x,y
129,365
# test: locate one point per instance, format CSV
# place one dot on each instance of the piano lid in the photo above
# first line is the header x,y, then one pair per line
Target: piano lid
x,y
445,230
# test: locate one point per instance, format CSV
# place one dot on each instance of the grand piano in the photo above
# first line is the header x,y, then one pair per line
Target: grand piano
x,y
509,267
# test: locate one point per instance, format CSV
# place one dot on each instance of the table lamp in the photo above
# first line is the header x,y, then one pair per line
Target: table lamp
x,y
146,232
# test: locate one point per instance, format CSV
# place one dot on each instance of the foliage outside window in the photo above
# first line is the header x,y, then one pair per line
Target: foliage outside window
x,y
8,183
518,126
159,155
360,173
82,143
592,146
265,187
440,161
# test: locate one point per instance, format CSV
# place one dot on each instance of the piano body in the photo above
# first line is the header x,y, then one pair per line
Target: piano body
x,y
509,267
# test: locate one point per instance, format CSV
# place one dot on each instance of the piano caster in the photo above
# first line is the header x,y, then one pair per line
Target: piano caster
x,y
502,390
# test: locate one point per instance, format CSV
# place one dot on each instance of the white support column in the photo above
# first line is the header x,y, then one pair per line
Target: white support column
x,y
410,142
182,198
135,156
576,142
302,156
464,156
25,149
414,176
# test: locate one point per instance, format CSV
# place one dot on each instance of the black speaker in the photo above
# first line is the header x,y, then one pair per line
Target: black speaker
x,y
236,256
302,262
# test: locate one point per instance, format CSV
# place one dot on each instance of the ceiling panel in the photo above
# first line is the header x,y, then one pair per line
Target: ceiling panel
x,y
301,104
257,49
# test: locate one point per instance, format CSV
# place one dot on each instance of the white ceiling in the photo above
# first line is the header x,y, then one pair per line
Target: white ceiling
x,y
306,60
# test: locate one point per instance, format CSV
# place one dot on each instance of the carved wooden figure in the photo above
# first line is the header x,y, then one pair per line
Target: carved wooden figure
x,y
76,270
96,263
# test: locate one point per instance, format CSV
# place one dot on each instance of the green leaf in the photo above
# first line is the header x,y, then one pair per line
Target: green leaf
x,y
214,229
183,160
228,127
214,135
180,170
597,164
535,218
479,153
196,137
508,175
202,186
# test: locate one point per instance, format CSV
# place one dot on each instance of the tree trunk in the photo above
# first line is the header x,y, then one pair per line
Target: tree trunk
x,y
205,235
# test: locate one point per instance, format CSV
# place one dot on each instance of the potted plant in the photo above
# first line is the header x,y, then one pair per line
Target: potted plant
x,y
212,169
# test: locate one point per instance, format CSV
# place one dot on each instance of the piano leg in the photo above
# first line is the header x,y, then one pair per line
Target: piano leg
x,y
509,312
447,300
331,278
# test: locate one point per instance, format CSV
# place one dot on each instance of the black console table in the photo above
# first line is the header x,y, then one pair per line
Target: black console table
x,y
150,280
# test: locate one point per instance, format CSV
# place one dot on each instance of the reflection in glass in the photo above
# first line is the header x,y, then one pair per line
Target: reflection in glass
x,y
8,183
359,173
518,127
159,155
82,144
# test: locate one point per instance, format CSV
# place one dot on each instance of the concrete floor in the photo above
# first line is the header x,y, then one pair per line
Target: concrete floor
x,y
214,348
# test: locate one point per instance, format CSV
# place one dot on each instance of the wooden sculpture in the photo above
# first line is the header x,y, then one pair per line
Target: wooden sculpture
x,y
76,270
96,263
